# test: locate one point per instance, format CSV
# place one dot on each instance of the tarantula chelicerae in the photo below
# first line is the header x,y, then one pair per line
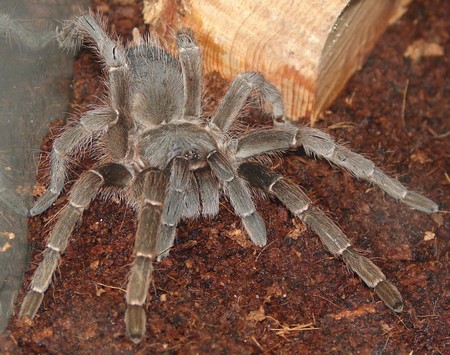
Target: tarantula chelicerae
x,y
171,163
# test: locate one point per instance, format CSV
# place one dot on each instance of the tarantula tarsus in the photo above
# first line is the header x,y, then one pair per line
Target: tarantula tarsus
x,y
171,163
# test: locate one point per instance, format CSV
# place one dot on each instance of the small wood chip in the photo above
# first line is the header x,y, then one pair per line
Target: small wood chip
x,y
422,48
429,235
256,316
8,235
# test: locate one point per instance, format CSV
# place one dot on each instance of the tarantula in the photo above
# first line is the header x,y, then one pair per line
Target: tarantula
x,y
172,163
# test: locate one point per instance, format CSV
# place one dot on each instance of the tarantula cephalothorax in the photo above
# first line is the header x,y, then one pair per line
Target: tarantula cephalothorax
x,y
171,163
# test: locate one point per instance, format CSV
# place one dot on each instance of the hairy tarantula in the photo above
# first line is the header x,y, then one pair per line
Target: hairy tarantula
x,y
172,163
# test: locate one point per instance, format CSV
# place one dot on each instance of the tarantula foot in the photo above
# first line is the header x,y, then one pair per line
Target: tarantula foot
x,y
390,296
419,202
135,322
43,202
256,229
31,304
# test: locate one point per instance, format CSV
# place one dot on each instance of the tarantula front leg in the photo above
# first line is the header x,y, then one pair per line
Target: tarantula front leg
x,y
145,249
173,205
209,191
84,190
182,200
330,234
240,197
323,145
237,96
191,65
72,139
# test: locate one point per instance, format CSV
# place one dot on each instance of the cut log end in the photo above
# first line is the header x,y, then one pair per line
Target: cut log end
x,y
309,51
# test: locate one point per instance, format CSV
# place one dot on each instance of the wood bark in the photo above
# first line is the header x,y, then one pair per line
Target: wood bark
x,y
308,49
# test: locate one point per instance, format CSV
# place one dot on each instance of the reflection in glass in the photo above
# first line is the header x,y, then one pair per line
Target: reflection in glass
x,y
34,90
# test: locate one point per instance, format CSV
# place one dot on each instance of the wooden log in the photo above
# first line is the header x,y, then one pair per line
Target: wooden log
x,y
308,49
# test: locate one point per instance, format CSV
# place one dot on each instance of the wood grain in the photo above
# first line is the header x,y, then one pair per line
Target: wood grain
x,y
308,49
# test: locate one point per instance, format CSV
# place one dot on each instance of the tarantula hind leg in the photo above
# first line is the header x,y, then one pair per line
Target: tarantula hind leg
x,y
330,234
86,28
81,195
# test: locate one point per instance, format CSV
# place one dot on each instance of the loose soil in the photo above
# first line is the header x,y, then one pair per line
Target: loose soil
x,y
216,292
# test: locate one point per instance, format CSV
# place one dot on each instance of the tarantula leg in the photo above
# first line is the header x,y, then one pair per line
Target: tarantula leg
x,y
84,190
400,192
145,249
191,65
173,205
237,96
317,142
87,28
240,197
323,145
75,138
260,142
209,192
331,236
191,200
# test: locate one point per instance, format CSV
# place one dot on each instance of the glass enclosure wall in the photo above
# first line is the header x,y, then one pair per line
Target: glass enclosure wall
x,y
34,90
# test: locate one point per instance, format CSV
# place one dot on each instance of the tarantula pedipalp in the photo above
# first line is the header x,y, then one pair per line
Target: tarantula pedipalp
x,y
172,163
